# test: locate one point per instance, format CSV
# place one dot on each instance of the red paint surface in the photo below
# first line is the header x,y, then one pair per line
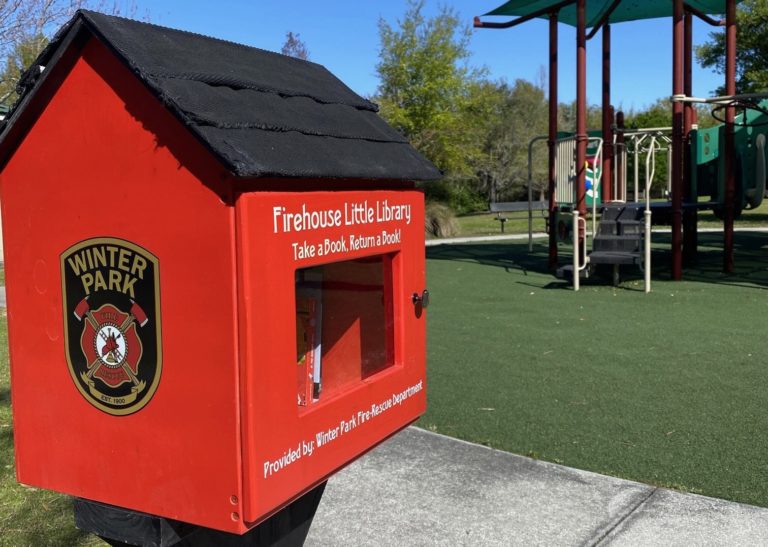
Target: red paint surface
x,y
195,452
607,176
678,33
552,141
581,109
268,264
730,148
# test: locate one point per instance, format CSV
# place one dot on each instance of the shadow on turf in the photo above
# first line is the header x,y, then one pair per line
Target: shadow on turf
x,y
750,260
504,255
754,218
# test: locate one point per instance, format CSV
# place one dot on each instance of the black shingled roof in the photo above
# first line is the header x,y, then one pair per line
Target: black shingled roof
x,y
261,113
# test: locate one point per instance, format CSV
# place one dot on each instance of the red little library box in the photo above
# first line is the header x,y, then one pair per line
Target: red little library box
x,y
215,270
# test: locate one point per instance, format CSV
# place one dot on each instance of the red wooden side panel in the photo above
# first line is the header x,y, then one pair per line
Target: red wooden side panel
x,y
362,253
105,159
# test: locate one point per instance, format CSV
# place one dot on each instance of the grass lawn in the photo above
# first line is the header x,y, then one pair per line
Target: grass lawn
x,y
28,516
667,388
485,224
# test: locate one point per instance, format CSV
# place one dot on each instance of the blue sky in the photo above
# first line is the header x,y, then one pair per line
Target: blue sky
x,y
343,36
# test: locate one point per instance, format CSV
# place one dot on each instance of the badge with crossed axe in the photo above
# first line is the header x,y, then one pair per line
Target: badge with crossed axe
x,y
111,348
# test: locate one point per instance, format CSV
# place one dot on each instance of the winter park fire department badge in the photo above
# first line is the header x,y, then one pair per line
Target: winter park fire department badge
x,y
112,323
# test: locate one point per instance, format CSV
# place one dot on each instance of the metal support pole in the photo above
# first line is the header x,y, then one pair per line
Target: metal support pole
x,y
650,168
530,198
607,176
690,215
581,117
621,167
613,148
552,140
581,106
576,250
669,172
730,175
677,140
636,173
530,191
647,249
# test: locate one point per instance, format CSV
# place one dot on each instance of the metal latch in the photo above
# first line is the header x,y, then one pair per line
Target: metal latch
x,y
423,299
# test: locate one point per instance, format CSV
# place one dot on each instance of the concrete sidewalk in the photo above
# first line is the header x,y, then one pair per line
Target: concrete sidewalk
x,y
421,488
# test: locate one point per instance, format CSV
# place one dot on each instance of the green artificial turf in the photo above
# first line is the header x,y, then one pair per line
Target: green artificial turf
x,y
667,388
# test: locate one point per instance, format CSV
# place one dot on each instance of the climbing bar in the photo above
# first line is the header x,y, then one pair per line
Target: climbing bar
x,y
722,99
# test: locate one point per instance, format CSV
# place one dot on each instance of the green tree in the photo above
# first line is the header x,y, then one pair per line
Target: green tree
x,y
17,61
658,115
751,52
566,117
25,28
426,85
517,115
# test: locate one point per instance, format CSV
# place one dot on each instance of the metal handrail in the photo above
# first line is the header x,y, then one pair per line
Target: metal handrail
x,y
637,138
650,171
597,170
620,151
657,130
721,99
578,263
530,189
650,168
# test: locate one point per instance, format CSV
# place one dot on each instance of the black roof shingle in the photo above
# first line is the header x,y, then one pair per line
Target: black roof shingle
x,y
261,113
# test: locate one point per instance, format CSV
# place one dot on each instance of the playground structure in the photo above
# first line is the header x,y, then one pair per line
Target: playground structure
x,y
723,165
632,192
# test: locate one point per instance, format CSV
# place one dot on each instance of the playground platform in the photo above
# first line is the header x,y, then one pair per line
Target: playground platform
x,y
421,488
662,210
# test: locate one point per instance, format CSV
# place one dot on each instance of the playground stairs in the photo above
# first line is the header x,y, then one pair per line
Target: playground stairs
x,y
618,241
619,238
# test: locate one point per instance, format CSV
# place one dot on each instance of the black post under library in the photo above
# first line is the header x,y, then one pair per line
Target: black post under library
x,y
119,527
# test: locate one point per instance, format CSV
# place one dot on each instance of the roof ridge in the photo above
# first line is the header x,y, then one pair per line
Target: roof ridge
x,y
238,83
305,122
89,15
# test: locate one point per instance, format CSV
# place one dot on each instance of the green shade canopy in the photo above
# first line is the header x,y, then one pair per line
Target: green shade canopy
x,y
627,10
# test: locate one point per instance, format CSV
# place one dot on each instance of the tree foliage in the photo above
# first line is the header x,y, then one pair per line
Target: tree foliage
x,y
566,117
518,115
751,49
294,46
16,62
426,86
25,28
477,130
